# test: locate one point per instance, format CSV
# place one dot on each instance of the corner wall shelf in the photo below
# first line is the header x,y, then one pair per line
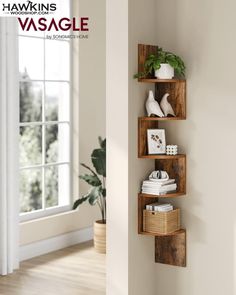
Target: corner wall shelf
x,y
162,157
151,80
169,195
161,119
160,235
169,248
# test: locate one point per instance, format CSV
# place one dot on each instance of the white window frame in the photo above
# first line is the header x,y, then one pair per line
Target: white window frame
x,y
44,212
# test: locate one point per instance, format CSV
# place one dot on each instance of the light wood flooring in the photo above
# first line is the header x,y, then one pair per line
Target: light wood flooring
x,y
76,270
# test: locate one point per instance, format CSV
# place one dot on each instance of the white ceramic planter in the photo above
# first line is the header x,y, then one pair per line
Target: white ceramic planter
x,y
100,236
165,72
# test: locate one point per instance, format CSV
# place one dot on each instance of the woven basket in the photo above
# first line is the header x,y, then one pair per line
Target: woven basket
x,y
161,222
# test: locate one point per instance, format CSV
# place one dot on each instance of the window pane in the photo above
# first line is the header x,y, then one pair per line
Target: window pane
x,y
57,60
63,8
57,143
31,32
64,185
30,145
57,101
51,133
31,101
30,190
51,186
63,11
31,61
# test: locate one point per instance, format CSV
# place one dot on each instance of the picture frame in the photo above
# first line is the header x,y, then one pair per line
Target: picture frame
x,y
156,139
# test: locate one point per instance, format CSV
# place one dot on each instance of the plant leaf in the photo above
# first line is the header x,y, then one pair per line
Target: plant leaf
x,y
102,142
87,167
80,201
93,195
99,161
91,179
104,192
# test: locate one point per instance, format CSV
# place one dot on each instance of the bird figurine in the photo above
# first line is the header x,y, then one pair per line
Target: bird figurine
x,y
152,106
166,106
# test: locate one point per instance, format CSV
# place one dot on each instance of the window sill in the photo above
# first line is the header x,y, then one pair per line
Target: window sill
x,y
51,213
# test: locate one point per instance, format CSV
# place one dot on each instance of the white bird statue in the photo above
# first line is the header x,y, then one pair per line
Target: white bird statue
x,y
166,106
152,106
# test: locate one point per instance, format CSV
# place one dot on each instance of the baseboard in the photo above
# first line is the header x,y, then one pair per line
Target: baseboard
x,y
55,243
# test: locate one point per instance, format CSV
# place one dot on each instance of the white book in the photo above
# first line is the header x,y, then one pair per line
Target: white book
x,y
156,186
164,209
161,181
158,183
159,207
151,206
167,188
157,193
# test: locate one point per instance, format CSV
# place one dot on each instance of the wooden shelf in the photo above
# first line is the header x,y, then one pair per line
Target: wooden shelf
x,y
155,80
162,235
143,126
162,157
170,248
162,119
169,195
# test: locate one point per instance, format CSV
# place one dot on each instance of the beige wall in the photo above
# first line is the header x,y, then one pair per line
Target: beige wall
x,y
202,33
89,122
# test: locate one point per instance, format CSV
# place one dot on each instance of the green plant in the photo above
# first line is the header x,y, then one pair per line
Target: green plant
x,y
97,193
154,61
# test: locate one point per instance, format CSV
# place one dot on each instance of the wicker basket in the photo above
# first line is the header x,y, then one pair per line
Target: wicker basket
x,y
161,222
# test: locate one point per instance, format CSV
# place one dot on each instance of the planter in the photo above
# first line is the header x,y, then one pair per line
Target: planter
x,y
165,72
100,236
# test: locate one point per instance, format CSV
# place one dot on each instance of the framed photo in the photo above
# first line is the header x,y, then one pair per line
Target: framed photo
x,y
156,141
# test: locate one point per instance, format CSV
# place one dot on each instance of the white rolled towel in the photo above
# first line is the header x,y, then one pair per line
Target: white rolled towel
x,y
159,176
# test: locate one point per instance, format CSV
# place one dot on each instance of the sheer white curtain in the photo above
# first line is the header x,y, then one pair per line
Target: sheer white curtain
x,y
9,106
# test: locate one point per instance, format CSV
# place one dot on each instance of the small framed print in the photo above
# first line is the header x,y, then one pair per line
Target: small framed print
x,y
156,139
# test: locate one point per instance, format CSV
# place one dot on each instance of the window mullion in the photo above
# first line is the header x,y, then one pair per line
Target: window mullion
x,y
31,124
44,166
43,133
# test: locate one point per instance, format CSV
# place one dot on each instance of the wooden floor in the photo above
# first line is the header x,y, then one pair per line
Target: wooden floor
x,y
77,270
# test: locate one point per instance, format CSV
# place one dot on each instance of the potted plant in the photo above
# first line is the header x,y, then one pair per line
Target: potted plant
x,y
97,193
163,64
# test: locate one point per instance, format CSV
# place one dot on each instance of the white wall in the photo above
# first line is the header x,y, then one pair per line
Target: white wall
x,y
89,122
92,90
202,33
142,19
117,146
130,258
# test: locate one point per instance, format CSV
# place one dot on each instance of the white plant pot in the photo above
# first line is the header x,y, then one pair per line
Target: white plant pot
x,y
165,72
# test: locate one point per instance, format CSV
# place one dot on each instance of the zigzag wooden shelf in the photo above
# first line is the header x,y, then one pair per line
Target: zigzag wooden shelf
x,y
161,119
170,248
155,80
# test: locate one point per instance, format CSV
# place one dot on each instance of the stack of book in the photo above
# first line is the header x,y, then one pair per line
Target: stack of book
x,y
158,187
158,207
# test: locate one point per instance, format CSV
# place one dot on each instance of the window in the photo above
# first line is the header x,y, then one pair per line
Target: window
x,y
44,124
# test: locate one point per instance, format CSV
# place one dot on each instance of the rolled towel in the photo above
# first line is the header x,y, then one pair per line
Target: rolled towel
x,y
159,176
